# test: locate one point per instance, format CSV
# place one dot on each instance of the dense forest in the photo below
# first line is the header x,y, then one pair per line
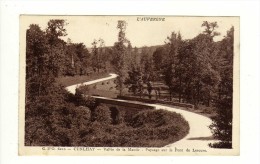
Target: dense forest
x,y
198,71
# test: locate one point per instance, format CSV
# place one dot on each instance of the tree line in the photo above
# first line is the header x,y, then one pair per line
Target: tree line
x,y
191,69
196,71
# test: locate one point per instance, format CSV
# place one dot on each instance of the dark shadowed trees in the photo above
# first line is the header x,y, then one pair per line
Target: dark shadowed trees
x,y
38,73
169,70
222,122
56,30
134,81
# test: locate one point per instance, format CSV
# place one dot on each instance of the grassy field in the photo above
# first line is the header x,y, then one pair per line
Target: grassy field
x,y
71,80
105,89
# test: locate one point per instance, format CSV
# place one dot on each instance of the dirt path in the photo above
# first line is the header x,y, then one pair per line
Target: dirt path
x,y
199,135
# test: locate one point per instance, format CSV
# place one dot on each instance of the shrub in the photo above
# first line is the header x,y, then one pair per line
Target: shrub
x,y
82,89
221,145
103,114
61,119
157,125
83,114
155,118
221,126
115,115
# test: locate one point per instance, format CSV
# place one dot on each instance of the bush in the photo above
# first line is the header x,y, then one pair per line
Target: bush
x,y
221,126
152,133
115,116
221,145
83,114
155,128
155,118
82,89
61,119
103,115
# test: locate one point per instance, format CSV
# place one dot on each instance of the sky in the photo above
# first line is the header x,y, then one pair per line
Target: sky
x,y
84,29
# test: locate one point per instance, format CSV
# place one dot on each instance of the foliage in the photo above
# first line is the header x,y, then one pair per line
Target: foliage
x,y
210,28
154,128
222,123
119,58
169,72
141,75
103,115
38,74
58,57
134,81
55,30
189,67
56,120
50,120
98,55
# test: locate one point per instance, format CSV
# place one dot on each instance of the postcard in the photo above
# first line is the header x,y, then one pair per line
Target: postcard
x,y
129,85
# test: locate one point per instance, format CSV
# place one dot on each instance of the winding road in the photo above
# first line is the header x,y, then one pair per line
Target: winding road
x,y
72,88
199,135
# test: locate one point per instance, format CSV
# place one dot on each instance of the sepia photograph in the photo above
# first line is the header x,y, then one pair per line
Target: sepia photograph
x,y
129,85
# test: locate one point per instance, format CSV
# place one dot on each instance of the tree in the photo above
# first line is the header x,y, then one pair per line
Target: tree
x,y
170,77
38,78
108,55
97,54
195,75
222,122
70,56
189,69
54,31
210,28
134,81
101,52
95,57
149,89
159,59
130,57
205,77
118,58
147,65
83,57
205,49
183,70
